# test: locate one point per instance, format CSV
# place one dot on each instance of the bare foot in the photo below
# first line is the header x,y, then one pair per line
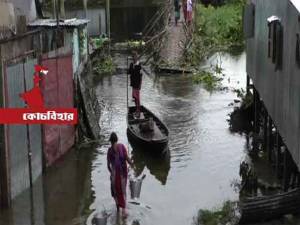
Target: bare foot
x,y
124,214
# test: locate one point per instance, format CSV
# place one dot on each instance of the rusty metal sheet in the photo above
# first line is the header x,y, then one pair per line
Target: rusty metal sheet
x,y
58,91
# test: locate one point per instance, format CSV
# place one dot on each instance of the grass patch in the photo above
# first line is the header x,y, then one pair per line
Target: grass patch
x,y
208,79
218,216
216,29
104,65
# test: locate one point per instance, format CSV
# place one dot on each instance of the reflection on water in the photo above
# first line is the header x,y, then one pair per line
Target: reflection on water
x,y
60,197
158,165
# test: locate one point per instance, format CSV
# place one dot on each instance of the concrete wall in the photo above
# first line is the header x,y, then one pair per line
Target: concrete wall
x,y
279,89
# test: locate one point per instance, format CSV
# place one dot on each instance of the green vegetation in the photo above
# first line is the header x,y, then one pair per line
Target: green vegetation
x,y
211,79
104,65
98,43
131,44
216,29
82,42
225,215
208,79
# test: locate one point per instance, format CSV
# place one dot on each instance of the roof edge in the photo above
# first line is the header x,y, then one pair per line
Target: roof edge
x,y
296,3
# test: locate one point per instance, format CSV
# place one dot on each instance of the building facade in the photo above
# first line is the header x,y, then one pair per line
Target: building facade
x,y
272,29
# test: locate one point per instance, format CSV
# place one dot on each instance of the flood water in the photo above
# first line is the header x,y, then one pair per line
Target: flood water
x,y
204,156
198,172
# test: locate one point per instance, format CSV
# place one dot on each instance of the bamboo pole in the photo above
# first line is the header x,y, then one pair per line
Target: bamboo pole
x,y
127,86
158,12
155,22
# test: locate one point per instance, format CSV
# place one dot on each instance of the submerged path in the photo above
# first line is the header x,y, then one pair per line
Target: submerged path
x,y
172,51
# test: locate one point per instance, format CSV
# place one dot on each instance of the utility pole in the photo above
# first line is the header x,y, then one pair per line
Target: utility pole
x,y
56,13
85,8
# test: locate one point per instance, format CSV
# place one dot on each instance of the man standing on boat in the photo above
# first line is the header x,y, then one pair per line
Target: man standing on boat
x,y
136,81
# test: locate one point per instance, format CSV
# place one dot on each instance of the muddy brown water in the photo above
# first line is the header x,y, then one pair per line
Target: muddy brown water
x,y
198,173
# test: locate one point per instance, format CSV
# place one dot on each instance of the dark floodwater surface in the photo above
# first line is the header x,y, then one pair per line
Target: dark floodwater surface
x,y
204,156
198,172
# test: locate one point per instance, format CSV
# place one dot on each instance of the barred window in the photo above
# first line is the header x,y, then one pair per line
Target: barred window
x,y
275,42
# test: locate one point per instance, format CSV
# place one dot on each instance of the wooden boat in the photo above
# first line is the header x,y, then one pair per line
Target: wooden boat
x,y
257,209
155,139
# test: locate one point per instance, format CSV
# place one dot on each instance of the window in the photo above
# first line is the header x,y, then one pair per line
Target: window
x,y
298,50
275,42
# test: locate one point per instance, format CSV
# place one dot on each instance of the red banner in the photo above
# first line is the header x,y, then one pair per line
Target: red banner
x,y
43,116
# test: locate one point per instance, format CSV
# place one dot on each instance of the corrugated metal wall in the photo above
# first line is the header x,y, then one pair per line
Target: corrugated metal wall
x,y
279,90
19,79
17,134
58,91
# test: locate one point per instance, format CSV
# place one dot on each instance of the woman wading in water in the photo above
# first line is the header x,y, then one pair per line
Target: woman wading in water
x,y
117,159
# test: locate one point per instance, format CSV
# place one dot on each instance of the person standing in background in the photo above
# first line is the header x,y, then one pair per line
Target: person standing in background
x,y
184,9
189,9
177,11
